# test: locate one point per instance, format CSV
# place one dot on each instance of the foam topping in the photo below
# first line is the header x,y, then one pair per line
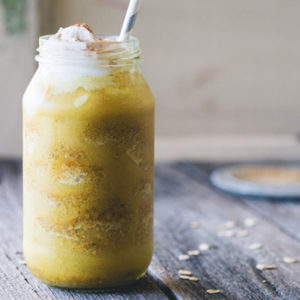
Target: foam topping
x,y
76,33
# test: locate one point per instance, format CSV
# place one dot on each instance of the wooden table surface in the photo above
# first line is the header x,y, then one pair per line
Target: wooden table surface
x,y
183,195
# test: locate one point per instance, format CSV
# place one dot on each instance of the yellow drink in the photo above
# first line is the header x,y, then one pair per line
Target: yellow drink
x,y
88,178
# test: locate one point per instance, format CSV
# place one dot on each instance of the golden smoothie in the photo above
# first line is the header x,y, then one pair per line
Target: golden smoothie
x,y
88,175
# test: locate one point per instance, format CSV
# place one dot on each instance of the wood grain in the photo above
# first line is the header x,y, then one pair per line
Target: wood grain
x,y
183,195
230,265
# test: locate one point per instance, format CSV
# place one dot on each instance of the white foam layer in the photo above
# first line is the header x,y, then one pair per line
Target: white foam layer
x,y
65,78
70,54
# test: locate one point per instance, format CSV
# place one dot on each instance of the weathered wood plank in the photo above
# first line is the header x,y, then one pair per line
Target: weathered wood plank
x,y
183,195
16,281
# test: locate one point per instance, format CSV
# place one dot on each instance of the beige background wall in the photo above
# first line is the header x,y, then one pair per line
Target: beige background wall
x,y
16,69
216,67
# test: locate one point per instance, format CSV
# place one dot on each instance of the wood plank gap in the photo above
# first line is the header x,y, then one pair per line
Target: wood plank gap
x,y
162,286
26,280
22,275
267,283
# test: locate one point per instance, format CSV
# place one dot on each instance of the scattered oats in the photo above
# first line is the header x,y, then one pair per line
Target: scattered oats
x,y
193,278
255,246
229,224
22,262
249,222
185,272
242,233
184,277
227,233
265,267
289,260
204,246
194,225
183,257
193,252
210,291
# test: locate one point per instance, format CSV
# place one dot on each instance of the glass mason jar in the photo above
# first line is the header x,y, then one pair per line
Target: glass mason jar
x,y
88,130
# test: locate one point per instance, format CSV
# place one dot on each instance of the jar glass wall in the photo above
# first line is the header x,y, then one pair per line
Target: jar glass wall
x,y
88,152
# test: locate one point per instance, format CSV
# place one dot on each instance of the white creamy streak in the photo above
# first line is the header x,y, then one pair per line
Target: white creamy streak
x,y
81,100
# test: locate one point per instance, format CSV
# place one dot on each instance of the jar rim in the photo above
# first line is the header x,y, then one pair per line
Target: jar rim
x,y
108,50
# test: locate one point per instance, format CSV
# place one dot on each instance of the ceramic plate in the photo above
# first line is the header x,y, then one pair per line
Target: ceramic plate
x,y
259,180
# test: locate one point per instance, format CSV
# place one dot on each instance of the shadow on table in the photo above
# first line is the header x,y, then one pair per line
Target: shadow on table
x,y
145,286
